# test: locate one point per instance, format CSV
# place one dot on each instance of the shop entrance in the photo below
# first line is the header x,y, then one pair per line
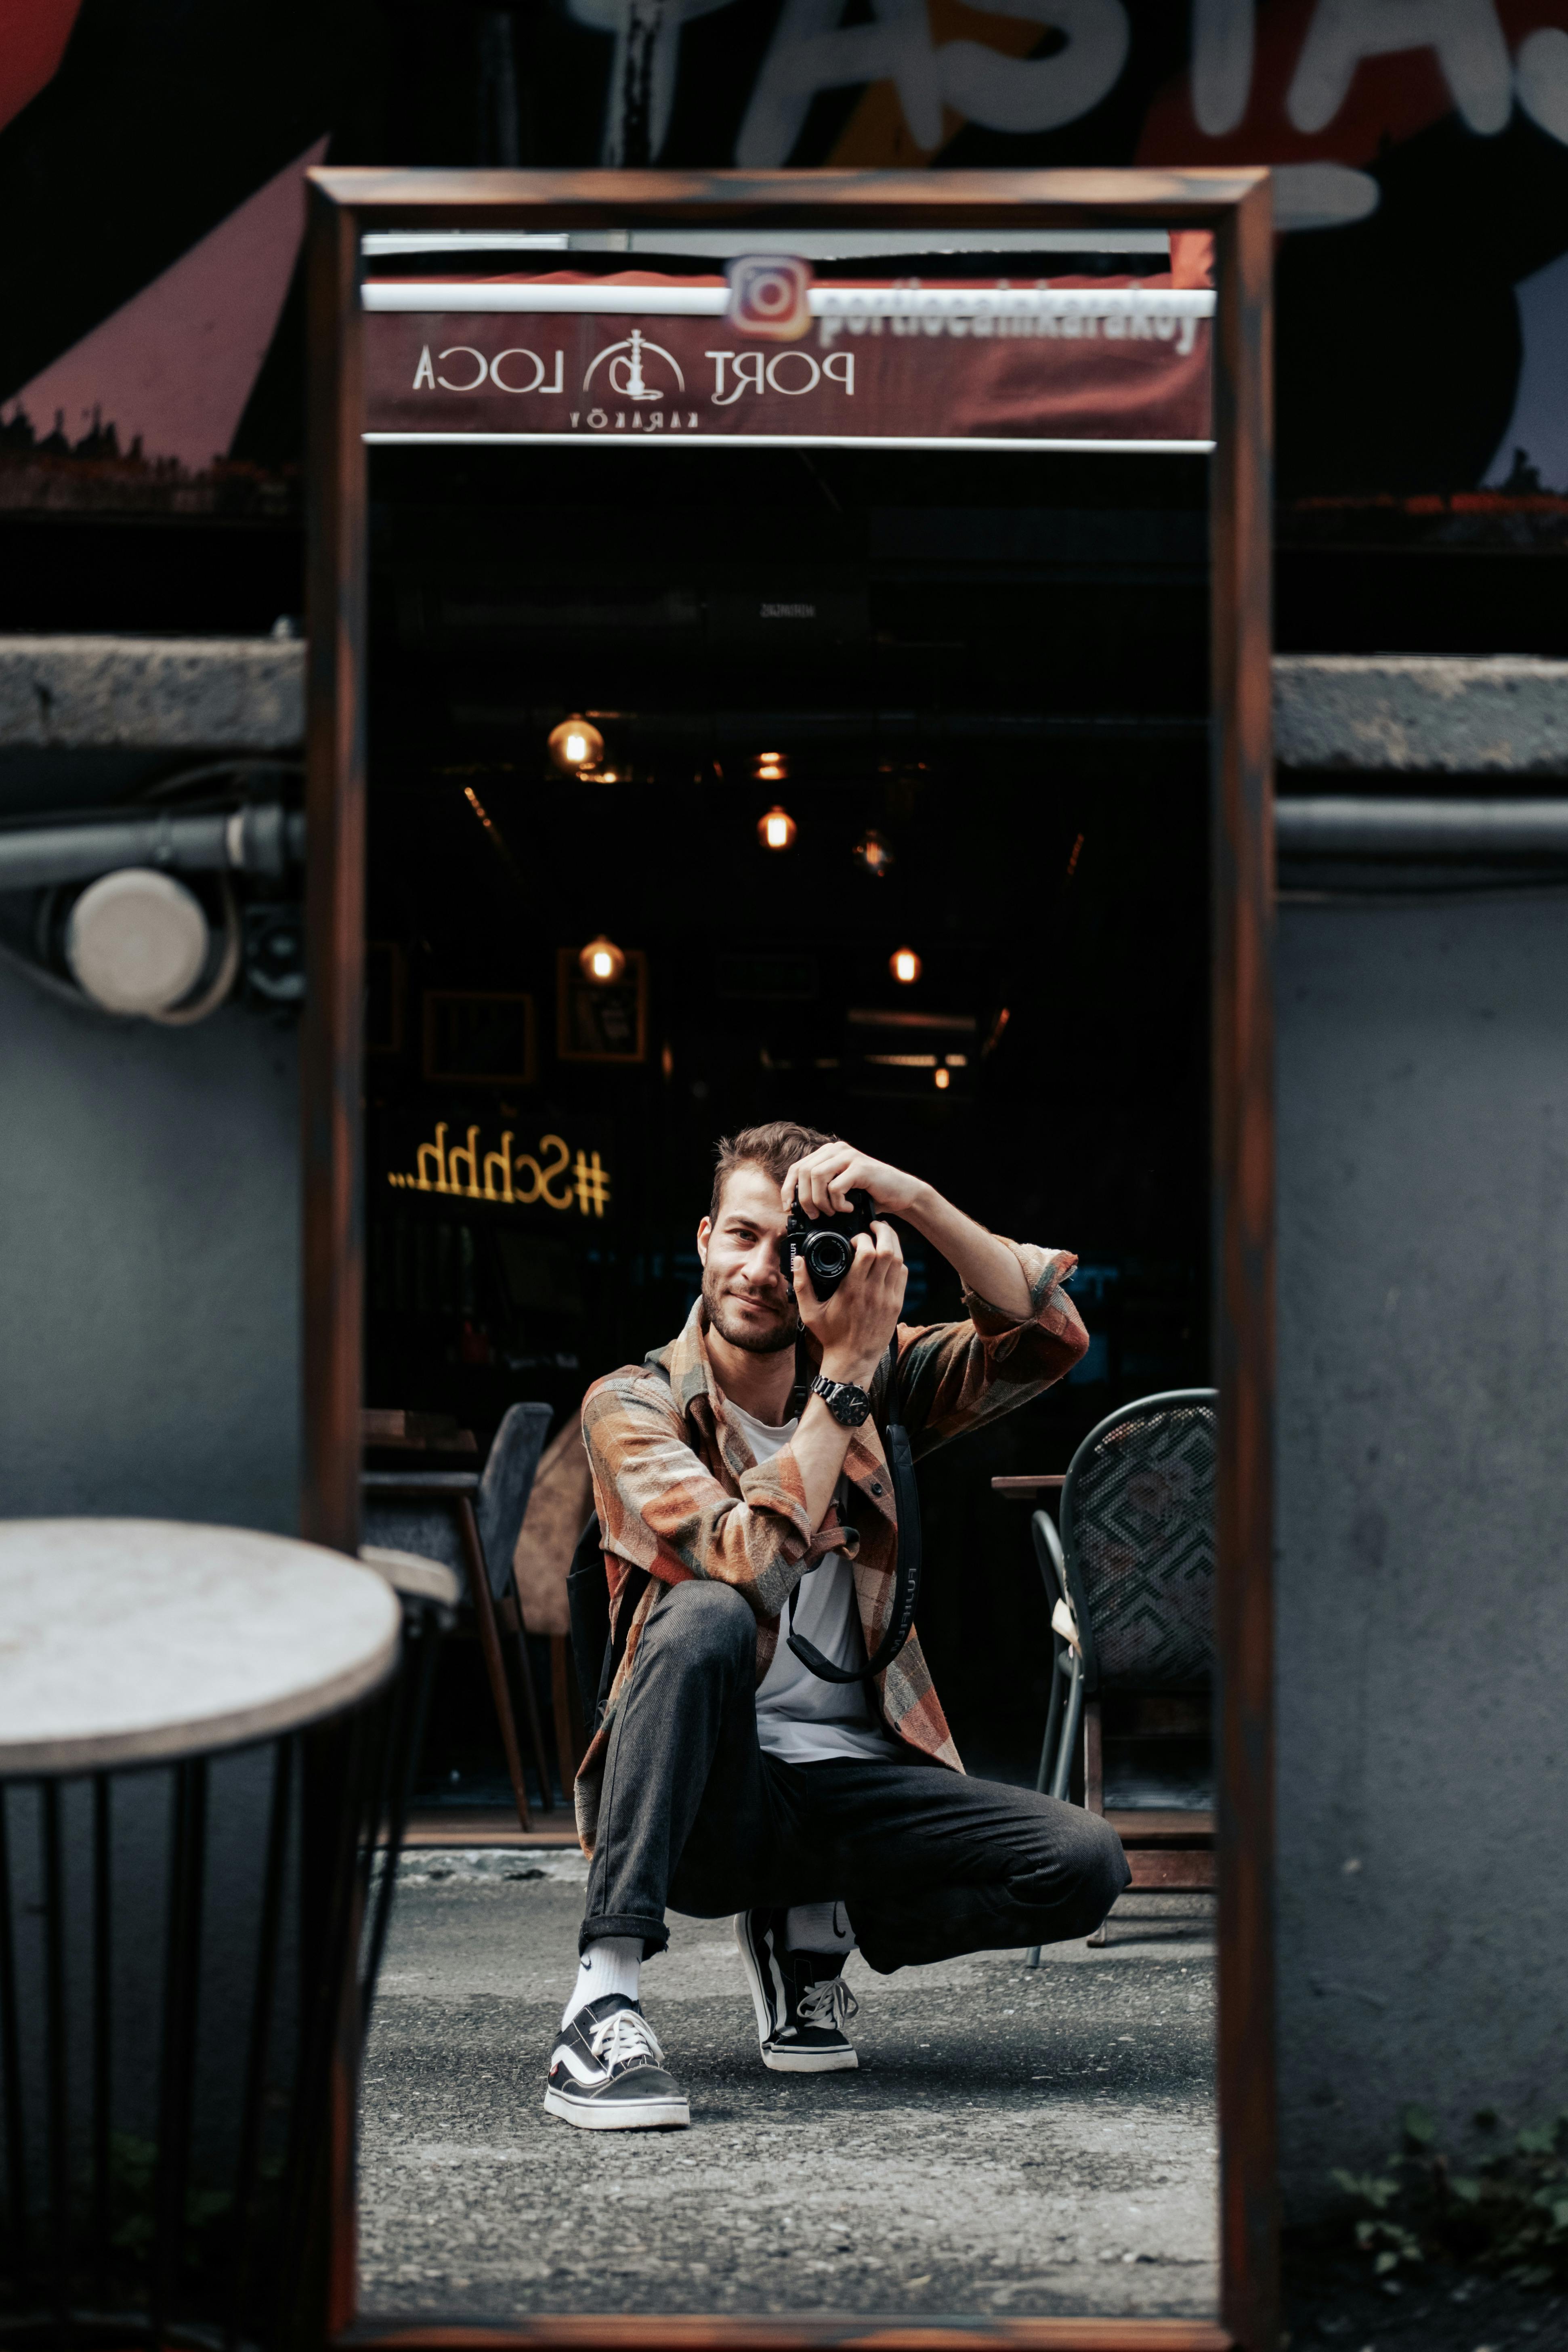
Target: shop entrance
x,y
854,706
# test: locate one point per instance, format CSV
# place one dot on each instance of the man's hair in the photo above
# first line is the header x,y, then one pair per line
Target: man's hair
x,y
773,1149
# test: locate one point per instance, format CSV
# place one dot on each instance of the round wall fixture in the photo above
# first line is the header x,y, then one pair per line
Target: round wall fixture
x,y
137,941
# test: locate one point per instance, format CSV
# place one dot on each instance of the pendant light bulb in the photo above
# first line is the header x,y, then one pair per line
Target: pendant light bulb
x,y
777,829
575,746
602,961
905,966
874,854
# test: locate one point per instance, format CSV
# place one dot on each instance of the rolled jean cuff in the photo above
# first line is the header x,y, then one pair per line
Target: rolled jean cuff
x,y
653,1931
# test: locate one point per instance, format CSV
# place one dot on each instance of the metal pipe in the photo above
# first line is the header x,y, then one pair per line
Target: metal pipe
x,y
253,2115
56,2107
260,838
11,2076
102,2031
1347,827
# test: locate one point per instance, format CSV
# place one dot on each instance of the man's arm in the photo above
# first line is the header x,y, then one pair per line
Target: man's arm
x,y
1021,1333
989,1268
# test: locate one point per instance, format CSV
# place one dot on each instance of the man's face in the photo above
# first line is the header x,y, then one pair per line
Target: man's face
x,y
748,1300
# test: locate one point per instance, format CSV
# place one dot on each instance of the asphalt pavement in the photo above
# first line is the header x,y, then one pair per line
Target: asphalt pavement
x,y
1014,2142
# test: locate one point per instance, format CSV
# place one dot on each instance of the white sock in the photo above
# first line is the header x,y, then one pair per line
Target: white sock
x,y
609,1966
819,1927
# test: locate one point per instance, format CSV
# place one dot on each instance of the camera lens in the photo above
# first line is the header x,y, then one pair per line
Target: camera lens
x,y
828,1255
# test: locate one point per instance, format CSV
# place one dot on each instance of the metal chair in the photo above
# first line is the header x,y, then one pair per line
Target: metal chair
x,y
1130,1582
470,1521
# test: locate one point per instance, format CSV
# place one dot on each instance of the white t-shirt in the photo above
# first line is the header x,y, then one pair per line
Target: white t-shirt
x,y
801,1718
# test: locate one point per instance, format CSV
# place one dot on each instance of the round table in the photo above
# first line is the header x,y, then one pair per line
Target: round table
x,y
204,1731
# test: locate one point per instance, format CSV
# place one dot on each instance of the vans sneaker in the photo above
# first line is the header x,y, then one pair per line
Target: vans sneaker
x,y
606,2073
802,2001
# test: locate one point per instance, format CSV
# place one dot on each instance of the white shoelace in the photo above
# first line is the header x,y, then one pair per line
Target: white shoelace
x,y
625,2033
830,2002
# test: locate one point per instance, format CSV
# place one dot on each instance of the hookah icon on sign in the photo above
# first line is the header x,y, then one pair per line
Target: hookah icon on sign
x,y
625,375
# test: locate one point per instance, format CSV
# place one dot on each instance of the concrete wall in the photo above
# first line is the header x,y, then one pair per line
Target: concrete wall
x,y
1422,1572
149,1264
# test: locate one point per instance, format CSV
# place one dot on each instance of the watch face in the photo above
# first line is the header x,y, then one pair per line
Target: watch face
x,y
848,1405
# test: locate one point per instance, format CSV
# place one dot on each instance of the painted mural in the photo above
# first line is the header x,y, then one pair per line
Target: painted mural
x,y
150,349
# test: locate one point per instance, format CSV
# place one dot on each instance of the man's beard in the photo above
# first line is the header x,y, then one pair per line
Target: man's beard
x,y
755,1342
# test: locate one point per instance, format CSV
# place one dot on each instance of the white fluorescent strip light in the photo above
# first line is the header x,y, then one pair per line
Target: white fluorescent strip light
x,y
785,441
804,245
464,240
851,303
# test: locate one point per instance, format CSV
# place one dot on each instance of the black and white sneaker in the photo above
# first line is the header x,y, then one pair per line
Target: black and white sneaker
x,y
802,2001
606,2073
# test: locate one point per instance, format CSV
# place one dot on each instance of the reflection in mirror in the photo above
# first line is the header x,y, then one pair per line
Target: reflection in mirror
x,y
849,781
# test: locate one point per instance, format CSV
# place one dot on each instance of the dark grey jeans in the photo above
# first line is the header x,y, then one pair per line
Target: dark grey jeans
x,y
928,1862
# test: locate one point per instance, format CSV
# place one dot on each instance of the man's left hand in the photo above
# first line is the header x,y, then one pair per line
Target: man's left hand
x,y
823,1182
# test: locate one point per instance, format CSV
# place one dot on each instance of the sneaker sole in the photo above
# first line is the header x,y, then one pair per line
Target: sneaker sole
x,y
619,2114
809,2061
783,2062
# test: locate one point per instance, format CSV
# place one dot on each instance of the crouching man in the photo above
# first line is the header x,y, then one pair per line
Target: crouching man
x,y
749,1526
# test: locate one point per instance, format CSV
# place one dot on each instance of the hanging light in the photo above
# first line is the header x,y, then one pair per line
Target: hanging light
x,y
770,767
905,966
602,961
575,745
777,829
943,1079
874,851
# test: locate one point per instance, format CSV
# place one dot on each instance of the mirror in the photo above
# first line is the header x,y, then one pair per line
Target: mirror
x,y
850,765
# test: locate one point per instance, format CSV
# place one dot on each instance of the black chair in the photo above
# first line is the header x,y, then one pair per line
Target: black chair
x,y
470,1521
1130,1582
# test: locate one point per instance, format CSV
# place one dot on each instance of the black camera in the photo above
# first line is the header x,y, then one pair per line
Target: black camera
x,y
826,1243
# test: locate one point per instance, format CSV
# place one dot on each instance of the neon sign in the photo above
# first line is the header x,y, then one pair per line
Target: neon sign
x,y
465,1172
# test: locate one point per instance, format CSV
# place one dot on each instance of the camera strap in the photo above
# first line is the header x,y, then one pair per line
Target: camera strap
x,y
907,1585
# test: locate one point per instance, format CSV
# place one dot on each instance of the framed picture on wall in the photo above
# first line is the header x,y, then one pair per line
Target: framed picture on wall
x,y
601,1021
481,1036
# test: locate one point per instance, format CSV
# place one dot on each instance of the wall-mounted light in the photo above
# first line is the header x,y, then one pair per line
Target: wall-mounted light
x,y
944,1080
874,851
905,966
602,961
136,941
575,745
777,829
771,768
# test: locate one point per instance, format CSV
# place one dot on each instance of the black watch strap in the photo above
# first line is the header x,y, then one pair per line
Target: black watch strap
x,y
848,1405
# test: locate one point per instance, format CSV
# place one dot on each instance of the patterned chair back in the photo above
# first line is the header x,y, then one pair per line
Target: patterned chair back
x,y
1138,1527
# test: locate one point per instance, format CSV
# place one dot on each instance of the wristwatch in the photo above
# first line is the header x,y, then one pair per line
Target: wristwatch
x,y
847,1404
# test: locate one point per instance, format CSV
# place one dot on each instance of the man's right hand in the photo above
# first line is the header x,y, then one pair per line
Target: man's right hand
x,y
853,1327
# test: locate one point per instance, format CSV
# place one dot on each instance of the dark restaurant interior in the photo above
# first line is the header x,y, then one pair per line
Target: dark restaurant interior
x,y
893,819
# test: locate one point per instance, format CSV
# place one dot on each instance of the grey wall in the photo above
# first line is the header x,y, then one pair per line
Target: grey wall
x,y
1422,1570
149,1264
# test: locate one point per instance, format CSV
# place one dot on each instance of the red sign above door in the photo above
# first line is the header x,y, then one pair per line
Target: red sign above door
x,y
1077,365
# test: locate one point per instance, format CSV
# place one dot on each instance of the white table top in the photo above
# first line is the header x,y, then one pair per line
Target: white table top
x,y
129,1640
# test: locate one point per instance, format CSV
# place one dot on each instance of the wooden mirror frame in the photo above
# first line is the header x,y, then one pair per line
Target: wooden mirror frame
x,y
1235,206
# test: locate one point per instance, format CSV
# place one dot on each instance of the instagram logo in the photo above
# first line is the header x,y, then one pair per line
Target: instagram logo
x,y
770,294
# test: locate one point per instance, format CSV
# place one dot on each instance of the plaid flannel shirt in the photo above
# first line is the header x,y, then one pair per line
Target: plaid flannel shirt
x,y
679,1493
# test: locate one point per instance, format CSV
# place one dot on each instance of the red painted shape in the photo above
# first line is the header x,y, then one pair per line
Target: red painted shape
x,y
173,367
33,36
